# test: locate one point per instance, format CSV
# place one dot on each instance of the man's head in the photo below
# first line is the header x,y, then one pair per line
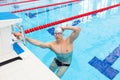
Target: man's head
x,y
58,30
58,33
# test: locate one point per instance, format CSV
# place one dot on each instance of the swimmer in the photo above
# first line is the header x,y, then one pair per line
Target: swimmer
x,y
63,48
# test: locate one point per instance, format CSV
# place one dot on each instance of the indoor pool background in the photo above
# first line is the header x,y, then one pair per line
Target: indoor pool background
x,y
99,36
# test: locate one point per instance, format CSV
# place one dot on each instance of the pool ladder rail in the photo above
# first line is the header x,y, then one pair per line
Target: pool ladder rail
x,y
20,39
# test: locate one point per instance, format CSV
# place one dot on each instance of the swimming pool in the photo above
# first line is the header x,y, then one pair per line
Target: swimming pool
x,y
99,36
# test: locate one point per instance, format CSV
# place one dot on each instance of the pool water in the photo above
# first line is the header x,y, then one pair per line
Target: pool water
x,y
99,36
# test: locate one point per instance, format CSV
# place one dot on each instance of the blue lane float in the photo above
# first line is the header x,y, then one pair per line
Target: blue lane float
x,y
16,6
105,66
76,22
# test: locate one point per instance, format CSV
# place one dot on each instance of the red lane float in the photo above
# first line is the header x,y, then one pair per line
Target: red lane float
x,y
17,2
44,6
69,19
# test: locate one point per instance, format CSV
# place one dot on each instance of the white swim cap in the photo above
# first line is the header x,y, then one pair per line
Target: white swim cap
x,y
58,30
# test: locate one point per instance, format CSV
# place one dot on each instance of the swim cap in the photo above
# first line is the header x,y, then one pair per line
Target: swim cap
x,y
58,30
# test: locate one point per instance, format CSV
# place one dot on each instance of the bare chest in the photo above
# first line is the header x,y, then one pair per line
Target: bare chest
x,y
63,48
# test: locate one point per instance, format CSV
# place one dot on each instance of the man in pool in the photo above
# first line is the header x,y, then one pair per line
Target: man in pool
x,y
63,48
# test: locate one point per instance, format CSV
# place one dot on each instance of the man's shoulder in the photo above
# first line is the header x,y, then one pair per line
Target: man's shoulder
x,y
51,43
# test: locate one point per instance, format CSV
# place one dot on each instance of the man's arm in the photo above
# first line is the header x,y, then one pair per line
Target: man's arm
x,y
74,34
38,43
33,41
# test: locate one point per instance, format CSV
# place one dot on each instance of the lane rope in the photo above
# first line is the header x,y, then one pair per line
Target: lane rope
x,y
17,2
17,11
34,14
69,19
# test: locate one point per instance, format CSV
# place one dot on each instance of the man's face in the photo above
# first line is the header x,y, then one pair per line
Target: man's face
x,y
58,36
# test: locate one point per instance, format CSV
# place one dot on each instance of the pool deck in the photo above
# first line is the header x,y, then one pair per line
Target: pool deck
x,y
29,68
